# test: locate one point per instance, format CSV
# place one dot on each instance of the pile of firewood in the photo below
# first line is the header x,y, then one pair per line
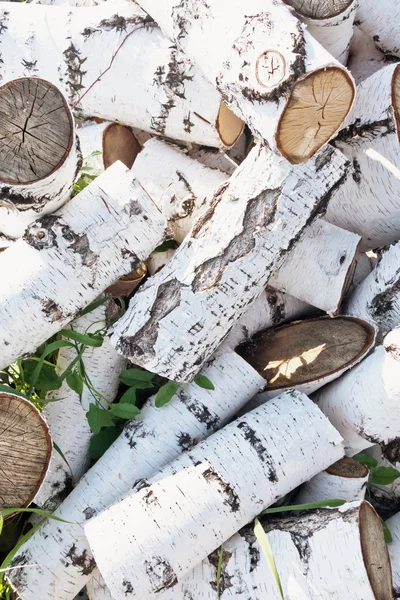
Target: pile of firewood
x,y
248,211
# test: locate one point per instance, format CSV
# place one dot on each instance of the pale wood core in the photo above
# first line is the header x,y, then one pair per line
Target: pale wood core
x,y
316,109
229,126
306,351
36,130
396,97
320,9
348,467
119,143
25,451
375,553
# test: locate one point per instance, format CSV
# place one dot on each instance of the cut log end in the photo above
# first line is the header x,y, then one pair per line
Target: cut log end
x,y
349,468
36,130
25,451
375,553
316,109
119,143
229,126
128,283
320,9
396,97
306,351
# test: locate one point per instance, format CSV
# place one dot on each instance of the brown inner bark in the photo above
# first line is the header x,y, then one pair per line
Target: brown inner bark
x,y
119,143
319,9
396,97
305,351
229,126
348,467
25,451
317,107
127,283
36,130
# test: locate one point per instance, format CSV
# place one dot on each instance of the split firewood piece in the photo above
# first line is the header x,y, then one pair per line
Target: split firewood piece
x,y
288,89
369,202
99,63
25,451
114,141
336,553
330,23
381,22
65,260
67,419
394,550
208,494
364,57
346,480
307,354
39,153
364,404
225,262
377,298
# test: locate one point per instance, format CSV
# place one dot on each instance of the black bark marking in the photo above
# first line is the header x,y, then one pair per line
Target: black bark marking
x,y
85,563
382,303
250,436
248,534
225,580
23,202
276,305
150,497
391,451
357,171
19,574
302,543
52,310
89,513
128,587
199,411
187,206
232,499
185,13
185,442
75,73
160,574
359,132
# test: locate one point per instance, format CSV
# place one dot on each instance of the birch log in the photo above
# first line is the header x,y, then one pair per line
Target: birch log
x,y
381,22
364,57
267,67
377,298
386,498
330,23
39,153
254,221
208,494
394,550
364,404
66,259
324,554
96,56
346,480
369,203
114,141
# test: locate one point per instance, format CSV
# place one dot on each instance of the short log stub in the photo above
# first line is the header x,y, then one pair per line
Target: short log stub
x,y
25,451
348,467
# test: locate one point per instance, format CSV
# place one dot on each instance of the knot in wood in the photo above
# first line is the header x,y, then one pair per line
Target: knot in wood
x,y
270,68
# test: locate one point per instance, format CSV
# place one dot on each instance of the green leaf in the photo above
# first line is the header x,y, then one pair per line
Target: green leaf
x,y
1,523
98,417
262,539
88,340
48,379
92,155
366,459
38,511
167,245
9,390
136,375
386,532
125,410
129,397
60,452
306,506
166,393
203,382
93,306
219,571
101,441
74,381
383,475
49,349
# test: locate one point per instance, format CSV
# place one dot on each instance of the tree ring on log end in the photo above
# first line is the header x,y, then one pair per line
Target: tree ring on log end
x,y
25,451
36,130
320,9
375,553
349,468
316,109
229,126
306,351
119,143
270,69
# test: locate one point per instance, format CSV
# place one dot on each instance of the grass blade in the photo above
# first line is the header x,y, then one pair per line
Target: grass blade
x,y
267,551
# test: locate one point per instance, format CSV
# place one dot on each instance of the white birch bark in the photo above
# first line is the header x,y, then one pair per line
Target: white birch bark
x,y
66,414
158,260
345,480
364,404
368,204
381,22
332,28
97,59
265,64
377,298
65,260
364,263
213,158
114,141
38,166
394,550
364,57
208,494
225,262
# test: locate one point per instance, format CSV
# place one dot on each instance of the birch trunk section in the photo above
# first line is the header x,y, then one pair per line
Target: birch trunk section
x,y
254,222
209,493
266,66
364,58
381,22
97,59
65,260
394,550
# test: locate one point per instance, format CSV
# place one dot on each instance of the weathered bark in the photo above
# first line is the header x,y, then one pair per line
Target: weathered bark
x,y
213,158
254,222
114,141
25,451
331,24
394,550
364,404
218,487
39,153
65,260
346,480
377,298
99,63
369,203
267,67
364,57
381,22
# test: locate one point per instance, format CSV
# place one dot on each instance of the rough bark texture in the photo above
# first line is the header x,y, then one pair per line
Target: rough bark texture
x,y
98,61
254,222
65,260
208,494
381,22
